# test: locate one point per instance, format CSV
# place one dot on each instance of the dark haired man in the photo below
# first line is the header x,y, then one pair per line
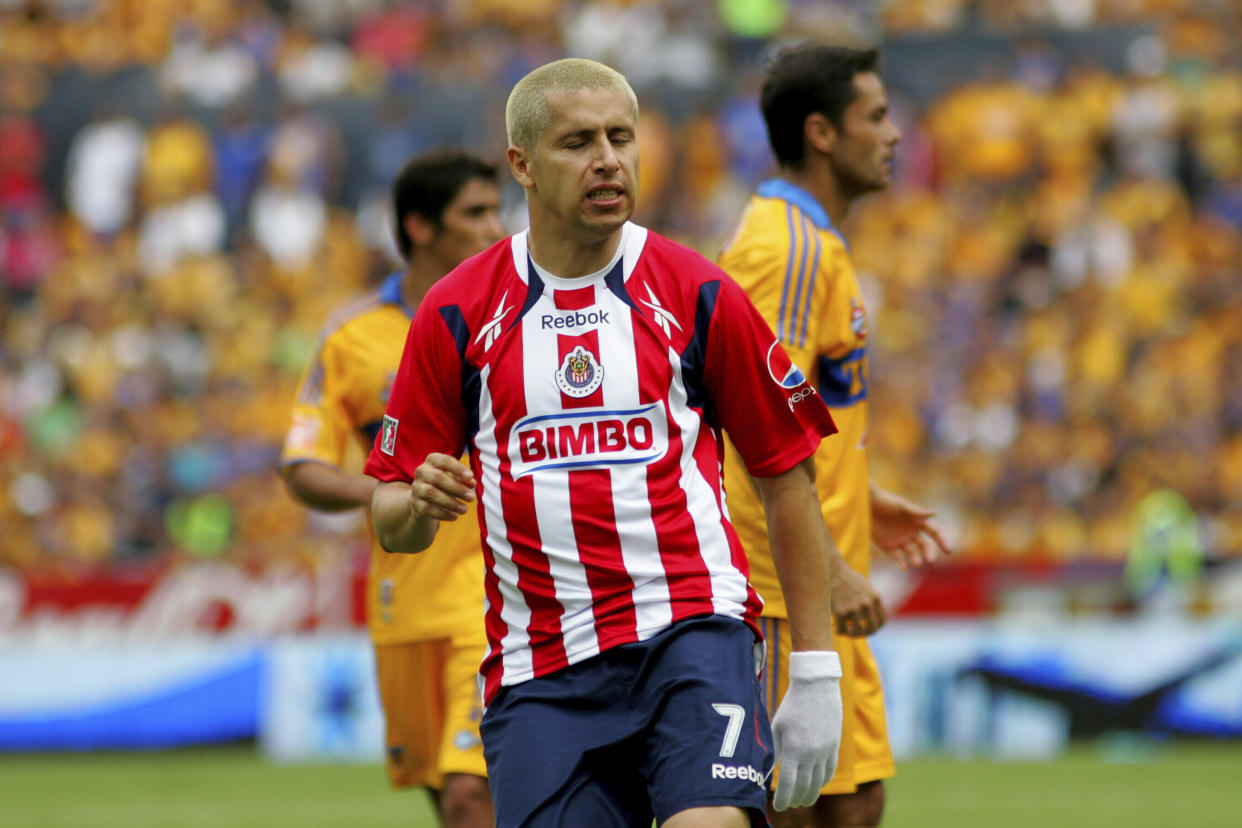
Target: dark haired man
x,y
829,128
425,613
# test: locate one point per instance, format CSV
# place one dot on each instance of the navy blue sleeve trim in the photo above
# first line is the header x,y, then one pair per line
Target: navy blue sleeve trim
x,y
534,289
615,282
694,357
471,380
838,378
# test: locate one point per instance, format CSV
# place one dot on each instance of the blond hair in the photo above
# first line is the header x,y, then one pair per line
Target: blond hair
x,y
526,113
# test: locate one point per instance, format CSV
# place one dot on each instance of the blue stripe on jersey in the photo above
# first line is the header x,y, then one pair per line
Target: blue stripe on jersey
x,y
615,282
390,292
534,289
810,291
792,193
837,378
782,328
456,322
471,381
799,297
695,354
764,695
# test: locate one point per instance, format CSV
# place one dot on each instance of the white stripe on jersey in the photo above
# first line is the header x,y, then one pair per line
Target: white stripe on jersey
x,y
551,492
728,584
634,238
515,645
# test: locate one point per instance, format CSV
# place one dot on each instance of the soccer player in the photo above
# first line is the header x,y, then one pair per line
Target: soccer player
x,y
425,613
589,366
828,125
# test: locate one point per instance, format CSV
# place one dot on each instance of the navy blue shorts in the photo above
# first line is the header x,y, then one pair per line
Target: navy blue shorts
x,y
639,731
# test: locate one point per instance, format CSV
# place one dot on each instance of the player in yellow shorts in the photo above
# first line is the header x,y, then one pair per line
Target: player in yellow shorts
x,y
424,612
828,124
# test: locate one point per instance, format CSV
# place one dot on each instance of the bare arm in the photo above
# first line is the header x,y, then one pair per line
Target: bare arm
x,y
407,515
326,488
801,550
856,604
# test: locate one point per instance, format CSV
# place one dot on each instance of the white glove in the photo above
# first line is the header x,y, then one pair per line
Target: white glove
x,y
807,727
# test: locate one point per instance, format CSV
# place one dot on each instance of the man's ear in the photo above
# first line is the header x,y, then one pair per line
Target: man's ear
x,y
519,165
421,231
819,133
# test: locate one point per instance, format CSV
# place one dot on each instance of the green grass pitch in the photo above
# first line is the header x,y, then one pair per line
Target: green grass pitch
x,y
1162,786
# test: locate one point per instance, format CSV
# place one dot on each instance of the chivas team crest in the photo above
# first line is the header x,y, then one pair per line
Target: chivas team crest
x,y
579,374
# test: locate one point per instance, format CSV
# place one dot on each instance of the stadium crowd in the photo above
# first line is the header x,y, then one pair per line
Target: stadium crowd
x,y
188,188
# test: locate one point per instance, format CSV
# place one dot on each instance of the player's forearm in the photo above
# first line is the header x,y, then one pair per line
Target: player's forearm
x,y
327,488
801,551
397,527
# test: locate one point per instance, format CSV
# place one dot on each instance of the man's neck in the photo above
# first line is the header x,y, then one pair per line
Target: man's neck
x,y
569,258
824,187
418,278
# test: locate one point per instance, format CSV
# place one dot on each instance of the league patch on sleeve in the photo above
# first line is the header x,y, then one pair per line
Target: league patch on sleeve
x,y
388,436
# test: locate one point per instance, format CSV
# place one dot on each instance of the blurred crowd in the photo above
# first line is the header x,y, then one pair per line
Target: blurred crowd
x,y
188,188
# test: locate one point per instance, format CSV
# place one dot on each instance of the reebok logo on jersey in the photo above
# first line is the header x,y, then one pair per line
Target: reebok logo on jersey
x,y
661,314
723,771
579,375
588,439
388,436
574,319
492,329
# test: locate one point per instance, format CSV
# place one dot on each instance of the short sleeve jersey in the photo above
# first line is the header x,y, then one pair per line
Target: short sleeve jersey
x,y
340,402
795,266
592,409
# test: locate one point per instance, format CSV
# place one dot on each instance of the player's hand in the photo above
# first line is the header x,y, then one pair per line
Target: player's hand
x,y
441,488
856,604
904,531
807,728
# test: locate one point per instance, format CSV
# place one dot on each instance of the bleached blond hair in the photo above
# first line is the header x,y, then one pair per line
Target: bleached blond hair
x,y
526,113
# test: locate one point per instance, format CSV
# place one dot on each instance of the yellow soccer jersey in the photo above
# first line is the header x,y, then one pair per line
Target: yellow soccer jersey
x,y
436,593
794,265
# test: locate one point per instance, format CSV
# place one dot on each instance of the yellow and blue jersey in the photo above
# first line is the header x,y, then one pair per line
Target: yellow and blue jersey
x,y
791,260
337,413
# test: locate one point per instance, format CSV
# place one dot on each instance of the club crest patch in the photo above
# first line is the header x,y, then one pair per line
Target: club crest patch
x,y
858,319
579,375
388,436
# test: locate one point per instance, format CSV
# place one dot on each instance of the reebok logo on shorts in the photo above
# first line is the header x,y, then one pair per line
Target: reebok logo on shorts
x,y
723,771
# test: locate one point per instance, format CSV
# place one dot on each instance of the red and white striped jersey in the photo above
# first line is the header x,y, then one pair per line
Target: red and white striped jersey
x,y
592,409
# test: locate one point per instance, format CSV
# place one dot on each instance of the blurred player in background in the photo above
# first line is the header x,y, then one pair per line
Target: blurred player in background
x,y
828,125
425,613
589,366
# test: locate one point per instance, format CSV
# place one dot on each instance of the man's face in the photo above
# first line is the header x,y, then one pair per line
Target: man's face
x,y
469,224
582,176
862,156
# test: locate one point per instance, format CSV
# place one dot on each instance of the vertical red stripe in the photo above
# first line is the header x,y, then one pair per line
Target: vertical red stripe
x,y
689,581
599,550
